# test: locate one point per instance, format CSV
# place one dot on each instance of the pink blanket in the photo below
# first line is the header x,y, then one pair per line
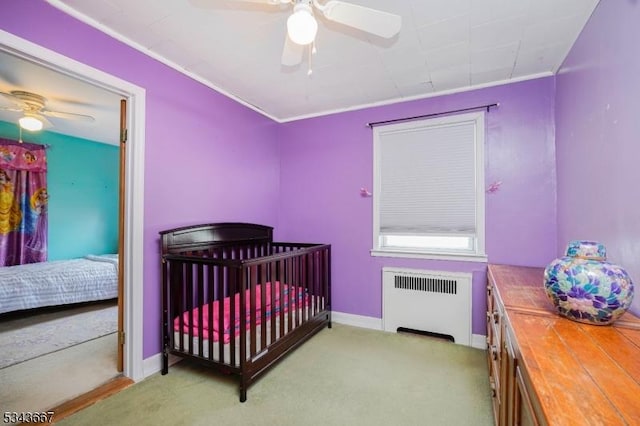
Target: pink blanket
x,y
227,309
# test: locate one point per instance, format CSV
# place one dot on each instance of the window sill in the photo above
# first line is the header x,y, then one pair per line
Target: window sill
x,y
432,256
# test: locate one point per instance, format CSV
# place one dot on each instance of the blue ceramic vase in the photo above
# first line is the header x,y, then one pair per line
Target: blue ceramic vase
x,y
584,287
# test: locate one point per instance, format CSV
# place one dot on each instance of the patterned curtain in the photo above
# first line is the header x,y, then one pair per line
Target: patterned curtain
x,y
23,203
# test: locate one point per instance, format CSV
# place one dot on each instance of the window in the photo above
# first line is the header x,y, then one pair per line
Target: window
x,y
429,188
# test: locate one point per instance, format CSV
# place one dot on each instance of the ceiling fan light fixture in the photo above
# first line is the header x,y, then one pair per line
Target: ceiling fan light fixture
x,y
301,25
31,123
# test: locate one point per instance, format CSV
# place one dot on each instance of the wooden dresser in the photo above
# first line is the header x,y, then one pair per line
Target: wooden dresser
x,y
546,369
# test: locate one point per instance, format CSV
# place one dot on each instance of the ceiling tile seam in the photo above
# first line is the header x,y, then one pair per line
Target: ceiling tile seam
x,y
515,61
393,80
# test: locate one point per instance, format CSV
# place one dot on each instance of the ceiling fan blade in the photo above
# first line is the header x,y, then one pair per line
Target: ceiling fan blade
x,y
262,1
14,100
47,124
12,109
291,53
383,24
215,3
67,115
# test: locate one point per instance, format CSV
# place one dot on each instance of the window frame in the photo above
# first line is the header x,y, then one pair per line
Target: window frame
x,y
477,254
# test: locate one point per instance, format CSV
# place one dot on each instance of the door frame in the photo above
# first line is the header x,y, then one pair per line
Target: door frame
x,y
134,182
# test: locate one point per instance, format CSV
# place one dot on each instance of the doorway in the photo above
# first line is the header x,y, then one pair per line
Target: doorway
x,y
132,244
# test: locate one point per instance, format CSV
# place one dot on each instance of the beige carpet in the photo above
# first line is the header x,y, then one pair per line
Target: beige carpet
x,y
342,376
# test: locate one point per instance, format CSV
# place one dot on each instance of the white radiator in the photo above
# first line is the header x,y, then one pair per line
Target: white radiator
x,y
427,301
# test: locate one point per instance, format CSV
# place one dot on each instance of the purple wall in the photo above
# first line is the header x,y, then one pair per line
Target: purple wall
x,y
308,185
325,161
207,157
598,137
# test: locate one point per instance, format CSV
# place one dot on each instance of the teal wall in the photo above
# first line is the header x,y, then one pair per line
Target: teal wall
x,y
82,182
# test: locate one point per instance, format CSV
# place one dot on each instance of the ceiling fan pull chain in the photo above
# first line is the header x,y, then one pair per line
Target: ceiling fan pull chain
x,y
312,50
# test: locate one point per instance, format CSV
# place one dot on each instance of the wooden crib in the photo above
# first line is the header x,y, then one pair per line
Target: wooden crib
x,y
210,272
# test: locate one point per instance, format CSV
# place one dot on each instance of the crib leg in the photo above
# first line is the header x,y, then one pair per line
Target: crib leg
x,y
243,394
165,362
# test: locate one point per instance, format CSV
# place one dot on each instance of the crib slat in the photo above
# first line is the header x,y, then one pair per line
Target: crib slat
x,y
274,309
252,309
307,284
314,283
281,304
180,296
292,290
308,287
319,277
233,275
293,293
263,306
200,298
300,289
319,272
189,303
305,287
219,296
210,298
311,279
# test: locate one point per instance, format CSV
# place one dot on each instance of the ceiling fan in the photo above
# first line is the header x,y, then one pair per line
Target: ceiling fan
x,y
302,25
32,106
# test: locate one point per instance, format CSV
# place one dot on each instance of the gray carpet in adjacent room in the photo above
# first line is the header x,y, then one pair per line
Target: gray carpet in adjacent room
x,y
342,376
36,333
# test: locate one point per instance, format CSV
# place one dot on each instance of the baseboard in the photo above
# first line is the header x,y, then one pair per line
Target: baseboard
x,y
479,341
153,364
356,320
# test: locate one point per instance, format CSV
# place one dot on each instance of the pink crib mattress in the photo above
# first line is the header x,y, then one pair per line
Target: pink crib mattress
x,y
191,319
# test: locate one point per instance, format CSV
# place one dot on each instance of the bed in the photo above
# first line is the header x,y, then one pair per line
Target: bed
x,y
238,302
59,282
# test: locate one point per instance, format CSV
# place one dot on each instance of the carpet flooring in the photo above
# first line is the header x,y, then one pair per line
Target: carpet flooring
x,y
342,376
35,334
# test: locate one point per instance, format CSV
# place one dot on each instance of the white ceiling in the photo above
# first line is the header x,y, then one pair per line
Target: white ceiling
x,y
235,47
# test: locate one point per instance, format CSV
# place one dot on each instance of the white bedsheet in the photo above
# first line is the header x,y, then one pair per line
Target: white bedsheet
x,y
58,282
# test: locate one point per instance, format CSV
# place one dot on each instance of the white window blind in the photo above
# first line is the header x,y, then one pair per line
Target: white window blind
x,y
428,188
428,181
